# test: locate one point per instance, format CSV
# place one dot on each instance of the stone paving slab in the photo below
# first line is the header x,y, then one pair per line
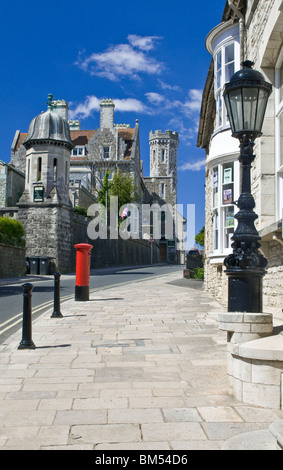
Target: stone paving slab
x,y
138,367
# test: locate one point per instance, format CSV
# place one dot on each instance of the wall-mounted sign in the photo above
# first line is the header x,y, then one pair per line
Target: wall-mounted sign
x,y
38,193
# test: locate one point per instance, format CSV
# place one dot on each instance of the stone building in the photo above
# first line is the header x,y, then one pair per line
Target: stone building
x,y
250,29
65,165
12,183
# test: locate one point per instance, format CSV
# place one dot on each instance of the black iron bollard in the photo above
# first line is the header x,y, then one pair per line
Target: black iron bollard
x,y
57,313
27,342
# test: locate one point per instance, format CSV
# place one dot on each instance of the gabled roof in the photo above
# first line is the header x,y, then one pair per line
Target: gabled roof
x,y
81,137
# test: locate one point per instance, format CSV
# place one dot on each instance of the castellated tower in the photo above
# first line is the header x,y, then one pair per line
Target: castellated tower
x,y
163,164
161,186
44,208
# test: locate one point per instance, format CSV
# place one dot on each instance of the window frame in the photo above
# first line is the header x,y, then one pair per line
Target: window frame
x,y
106,151
162,191
279,137
222,231
220,78
78,151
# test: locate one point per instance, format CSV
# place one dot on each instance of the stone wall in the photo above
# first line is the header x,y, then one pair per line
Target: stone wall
x,y
53,231
216,282
48,233
12,261
108,253
273,281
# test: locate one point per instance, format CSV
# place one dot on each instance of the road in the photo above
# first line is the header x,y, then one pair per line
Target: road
x,y
11,294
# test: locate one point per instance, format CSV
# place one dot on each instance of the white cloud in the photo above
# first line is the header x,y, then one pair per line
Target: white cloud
x,y
123,60
196,166
145,43
155,98
189,106
84,110
166,86
130,105
92,104
194,102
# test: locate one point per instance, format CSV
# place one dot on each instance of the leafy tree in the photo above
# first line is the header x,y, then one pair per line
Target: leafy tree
x,y
199,238
123,187
105,190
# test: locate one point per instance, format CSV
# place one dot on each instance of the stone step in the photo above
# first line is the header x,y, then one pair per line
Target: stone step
x,y
254,440
276,430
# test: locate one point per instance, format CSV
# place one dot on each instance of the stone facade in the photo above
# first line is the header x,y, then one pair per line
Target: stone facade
x,y
162,183
48,233
253,30
264,46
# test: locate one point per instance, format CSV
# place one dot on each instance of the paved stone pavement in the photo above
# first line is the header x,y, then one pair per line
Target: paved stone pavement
x,y
140,366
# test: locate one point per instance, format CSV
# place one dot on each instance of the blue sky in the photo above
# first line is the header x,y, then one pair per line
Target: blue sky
x,y
148,56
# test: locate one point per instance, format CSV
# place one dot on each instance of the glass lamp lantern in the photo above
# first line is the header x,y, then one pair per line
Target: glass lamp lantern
x,y
246,97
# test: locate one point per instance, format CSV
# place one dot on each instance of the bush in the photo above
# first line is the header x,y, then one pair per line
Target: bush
x,y
198,273
80,210
11,232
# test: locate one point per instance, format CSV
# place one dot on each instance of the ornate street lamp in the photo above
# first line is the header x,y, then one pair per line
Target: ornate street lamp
x,y
246,97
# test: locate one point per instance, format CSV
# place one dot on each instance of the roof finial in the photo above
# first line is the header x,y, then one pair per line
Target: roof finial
x,y
50,101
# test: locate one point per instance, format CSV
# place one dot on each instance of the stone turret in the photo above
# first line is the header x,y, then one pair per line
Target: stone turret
x,y
48,147
45,208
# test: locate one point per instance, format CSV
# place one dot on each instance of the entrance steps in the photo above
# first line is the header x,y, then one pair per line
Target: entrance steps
x,y
267,439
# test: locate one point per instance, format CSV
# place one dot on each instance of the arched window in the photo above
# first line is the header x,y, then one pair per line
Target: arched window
x,y
39,168
55,170
28,171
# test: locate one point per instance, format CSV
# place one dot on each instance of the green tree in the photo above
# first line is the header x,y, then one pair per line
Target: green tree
x,y
105,190
199,238
123,187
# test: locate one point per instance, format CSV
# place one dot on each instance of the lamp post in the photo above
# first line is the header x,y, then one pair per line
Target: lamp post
x,y
246,97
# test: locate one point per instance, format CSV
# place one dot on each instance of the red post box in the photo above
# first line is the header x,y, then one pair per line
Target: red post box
x,y
82,271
